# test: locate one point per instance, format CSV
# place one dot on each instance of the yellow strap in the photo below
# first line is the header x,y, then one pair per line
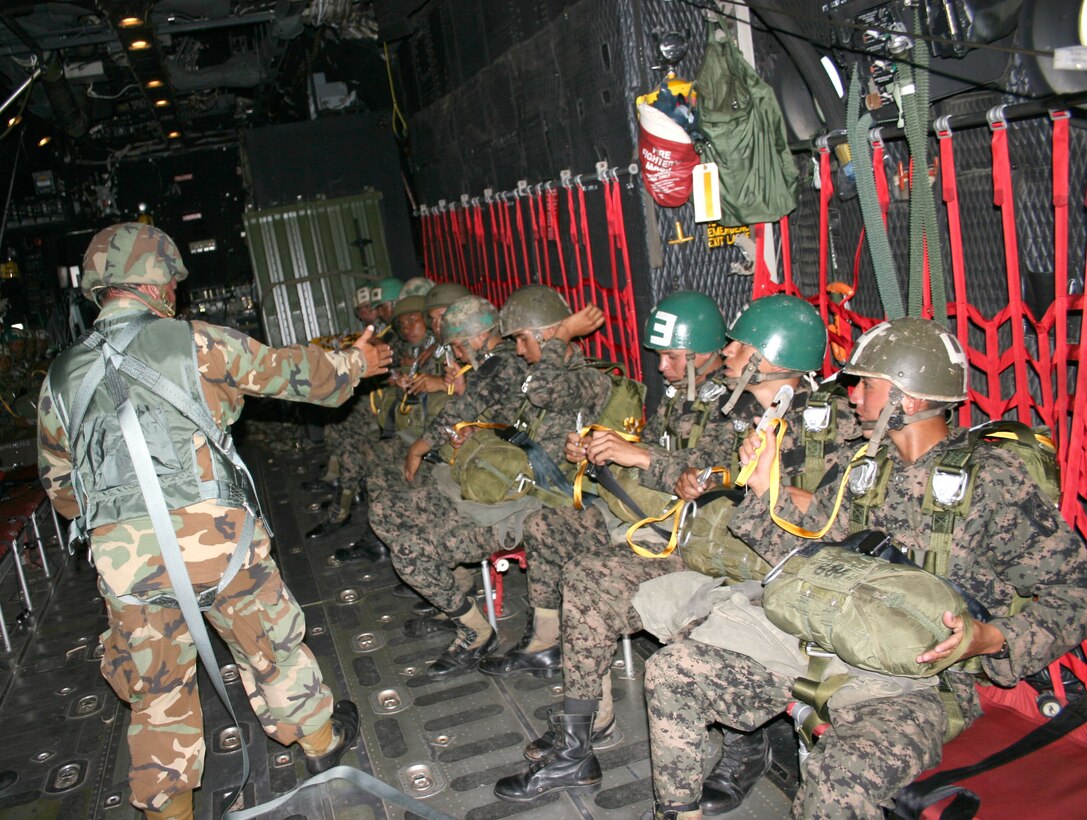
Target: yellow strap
x,y
775,489
404,408
747,469
584,464
674,512
374,396
480,425
460,373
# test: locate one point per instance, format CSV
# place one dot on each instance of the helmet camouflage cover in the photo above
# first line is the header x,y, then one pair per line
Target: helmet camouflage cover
x,y
468,317
532,307
917,356
130,253
786,330
362,296
686,320
416,286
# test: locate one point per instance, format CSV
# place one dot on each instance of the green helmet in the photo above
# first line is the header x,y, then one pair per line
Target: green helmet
x,y
917,356
416,286
468,317
445,294
387,290
130,253
532,307
786,330
408,304
685,321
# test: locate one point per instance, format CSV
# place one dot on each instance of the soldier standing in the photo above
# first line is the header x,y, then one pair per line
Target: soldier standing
x,y
131,270
1009,543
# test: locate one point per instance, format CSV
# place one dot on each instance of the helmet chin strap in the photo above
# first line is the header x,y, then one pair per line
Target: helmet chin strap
x,y
891,417
747,376
693,373
157,304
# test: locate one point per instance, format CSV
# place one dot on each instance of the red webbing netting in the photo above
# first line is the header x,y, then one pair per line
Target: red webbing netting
x,y
541,234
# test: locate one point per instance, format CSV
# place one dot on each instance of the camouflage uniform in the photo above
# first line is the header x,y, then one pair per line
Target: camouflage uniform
x,y
425,531
149,657
1011,540
597,593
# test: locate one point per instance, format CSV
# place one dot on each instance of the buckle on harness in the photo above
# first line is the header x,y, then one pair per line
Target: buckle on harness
x,y
863,476
949,485
814,650
816,417
522,480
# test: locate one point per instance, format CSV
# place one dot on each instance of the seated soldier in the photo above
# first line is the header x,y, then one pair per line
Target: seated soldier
x,y
775,342
429,532
1009,545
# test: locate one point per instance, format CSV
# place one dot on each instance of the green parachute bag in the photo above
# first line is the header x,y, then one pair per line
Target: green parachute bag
x,y
649,502
708,546
625,404
489,469
743,132
870,612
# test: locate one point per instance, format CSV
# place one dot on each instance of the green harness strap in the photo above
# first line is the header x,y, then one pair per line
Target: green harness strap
x,y
815,434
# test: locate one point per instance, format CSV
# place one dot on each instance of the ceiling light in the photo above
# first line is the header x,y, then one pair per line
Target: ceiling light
x,y
161,103
174,135
154,83
130,22
44,141
18,118
139,45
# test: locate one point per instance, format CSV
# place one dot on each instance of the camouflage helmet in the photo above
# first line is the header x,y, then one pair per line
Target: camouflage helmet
x,y
917,356
408,304
532,307
130,253
686,321
468,317
786,330
362,296
387,290
445,294
416,286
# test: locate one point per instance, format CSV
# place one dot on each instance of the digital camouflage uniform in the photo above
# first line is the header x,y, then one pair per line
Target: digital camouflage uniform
x,y
1010,541
149,658
427,534
597,593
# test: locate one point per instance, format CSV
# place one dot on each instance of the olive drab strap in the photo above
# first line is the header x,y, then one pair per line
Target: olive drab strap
x,y
820,427
947,498
872,477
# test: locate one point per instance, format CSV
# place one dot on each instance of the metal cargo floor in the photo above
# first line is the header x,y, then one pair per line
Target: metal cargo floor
x,y
447,742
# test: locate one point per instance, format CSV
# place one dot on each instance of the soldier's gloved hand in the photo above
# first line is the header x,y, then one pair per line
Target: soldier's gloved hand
x,y
608,447
378,356
688,486
582,323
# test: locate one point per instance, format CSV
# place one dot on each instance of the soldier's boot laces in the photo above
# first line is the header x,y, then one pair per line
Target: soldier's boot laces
x,y
543,660
744,759
345,729
571,766
688,811
541,747
475,640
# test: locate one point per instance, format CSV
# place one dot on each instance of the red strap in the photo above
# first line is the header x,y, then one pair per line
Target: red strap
x,y
787,256
949,187
879,171
1004,199
1060,282
826,191
524,241
583,214
577,301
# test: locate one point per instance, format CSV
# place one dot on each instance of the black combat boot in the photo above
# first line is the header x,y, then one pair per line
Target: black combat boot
x,y
326,527
744,759
469,647
541,747
571,766
544,663
368,548
345,725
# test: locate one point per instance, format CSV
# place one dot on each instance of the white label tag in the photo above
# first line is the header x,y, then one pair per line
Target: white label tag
x,y
706,191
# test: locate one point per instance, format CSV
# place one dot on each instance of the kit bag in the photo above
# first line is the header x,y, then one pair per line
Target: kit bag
x,y
707,545
870,612
744,134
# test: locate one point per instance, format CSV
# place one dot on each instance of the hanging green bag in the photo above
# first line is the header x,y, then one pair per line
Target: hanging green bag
x,y
744,134
489,469
707,545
